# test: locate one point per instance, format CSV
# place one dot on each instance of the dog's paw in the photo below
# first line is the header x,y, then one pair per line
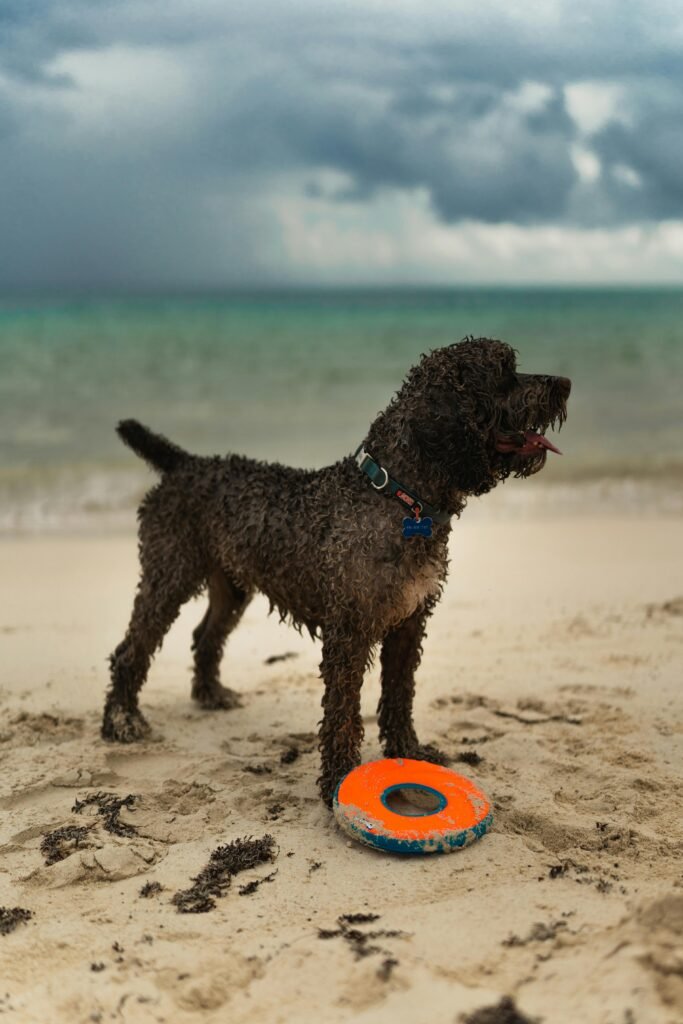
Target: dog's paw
x,y
420,752
216,697
327,795
327,787
121,725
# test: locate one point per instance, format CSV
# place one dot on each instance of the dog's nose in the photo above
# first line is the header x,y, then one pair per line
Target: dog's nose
x,y
565,386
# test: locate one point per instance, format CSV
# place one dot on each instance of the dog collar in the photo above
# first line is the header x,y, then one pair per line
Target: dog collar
x,y
385,484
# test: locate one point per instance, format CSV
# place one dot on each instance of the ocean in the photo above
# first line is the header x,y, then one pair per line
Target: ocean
x,y
297,376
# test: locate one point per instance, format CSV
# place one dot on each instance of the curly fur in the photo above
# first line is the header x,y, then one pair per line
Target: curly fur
x,y
324,547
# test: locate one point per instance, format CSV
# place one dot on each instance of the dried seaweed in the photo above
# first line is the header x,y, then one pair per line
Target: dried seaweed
x,y
250,887
290,755
150,889
214,880
470,757
61,843
504,1012
359,942
109,807
539,933
10,917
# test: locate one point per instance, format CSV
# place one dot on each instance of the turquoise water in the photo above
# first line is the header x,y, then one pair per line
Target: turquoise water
x,y
298,376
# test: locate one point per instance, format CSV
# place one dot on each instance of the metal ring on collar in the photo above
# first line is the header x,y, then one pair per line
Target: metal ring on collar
x,y
378,487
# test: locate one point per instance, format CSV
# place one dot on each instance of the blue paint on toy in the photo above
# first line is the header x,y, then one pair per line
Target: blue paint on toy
x,y
418,847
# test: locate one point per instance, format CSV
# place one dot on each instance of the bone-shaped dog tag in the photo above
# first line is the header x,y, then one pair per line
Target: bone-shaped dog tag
x,y
417,527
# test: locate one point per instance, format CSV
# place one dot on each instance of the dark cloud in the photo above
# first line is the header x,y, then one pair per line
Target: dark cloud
x,y
466,103
650,146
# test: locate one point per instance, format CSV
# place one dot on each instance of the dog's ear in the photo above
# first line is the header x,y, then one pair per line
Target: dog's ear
x,y
446,434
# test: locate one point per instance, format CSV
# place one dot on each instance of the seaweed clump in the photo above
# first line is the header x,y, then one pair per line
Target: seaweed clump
x,y
61,843
470,757
10,917
215,879
360,942
150,889
109,807
250,887
504,1012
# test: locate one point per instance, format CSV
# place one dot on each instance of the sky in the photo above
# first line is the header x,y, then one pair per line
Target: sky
x,y
213,143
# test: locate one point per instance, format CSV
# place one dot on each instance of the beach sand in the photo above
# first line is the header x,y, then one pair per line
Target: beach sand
x,y
556,656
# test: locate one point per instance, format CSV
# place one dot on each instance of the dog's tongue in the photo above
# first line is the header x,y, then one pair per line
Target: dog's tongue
x,y
534,441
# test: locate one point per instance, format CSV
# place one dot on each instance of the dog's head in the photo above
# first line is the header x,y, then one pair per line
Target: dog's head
x,y
471,412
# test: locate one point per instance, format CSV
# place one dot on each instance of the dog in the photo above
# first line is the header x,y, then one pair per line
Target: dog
x,y
356,552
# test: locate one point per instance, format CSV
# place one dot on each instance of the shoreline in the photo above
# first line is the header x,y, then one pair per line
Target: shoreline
x,y
105,504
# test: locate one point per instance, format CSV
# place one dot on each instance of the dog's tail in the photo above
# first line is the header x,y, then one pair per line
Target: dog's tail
x,y
157,451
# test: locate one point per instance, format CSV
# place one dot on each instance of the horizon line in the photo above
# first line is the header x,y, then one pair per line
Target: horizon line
x,y
180,291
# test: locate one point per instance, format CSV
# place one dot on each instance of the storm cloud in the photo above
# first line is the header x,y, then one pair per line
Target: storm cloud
x,y
202,143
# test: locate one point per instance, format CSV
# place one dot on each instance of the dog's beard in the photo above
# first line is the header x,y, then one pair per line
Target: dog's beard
x,y
518,438
527,465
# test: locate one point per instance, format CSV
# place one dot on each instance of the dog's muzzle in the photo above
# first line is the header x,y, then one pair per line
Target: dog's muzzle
x,y
527,442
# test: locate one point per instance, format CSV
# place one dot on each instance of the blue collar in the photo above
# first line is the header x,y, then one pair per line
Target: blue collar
x,y
385,484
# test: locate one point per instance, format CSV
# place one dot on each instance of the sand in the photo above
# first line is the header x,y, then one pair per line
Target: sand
x,y
556,656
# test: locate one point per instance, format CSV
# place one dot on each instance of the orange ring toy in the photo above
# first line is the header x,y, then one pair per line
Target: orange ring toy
x,y
362,807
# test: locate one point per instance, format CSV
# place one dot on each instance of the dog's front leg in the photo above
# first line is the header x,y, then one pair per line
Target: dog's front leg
x,y
345,658
400,657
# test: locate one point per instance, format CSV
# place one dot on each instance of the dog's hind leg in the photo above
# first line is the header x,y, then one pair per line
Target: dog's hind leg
x,y
167,582
345,658
227,602
400,657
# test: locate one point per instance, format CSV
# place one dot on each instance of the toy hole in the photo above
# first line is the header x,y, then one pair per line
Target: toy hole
x,y
413,800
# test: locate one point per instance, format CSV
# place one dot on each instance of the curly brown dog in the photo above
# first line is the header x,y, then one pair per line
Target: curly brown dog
x,y
327,547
